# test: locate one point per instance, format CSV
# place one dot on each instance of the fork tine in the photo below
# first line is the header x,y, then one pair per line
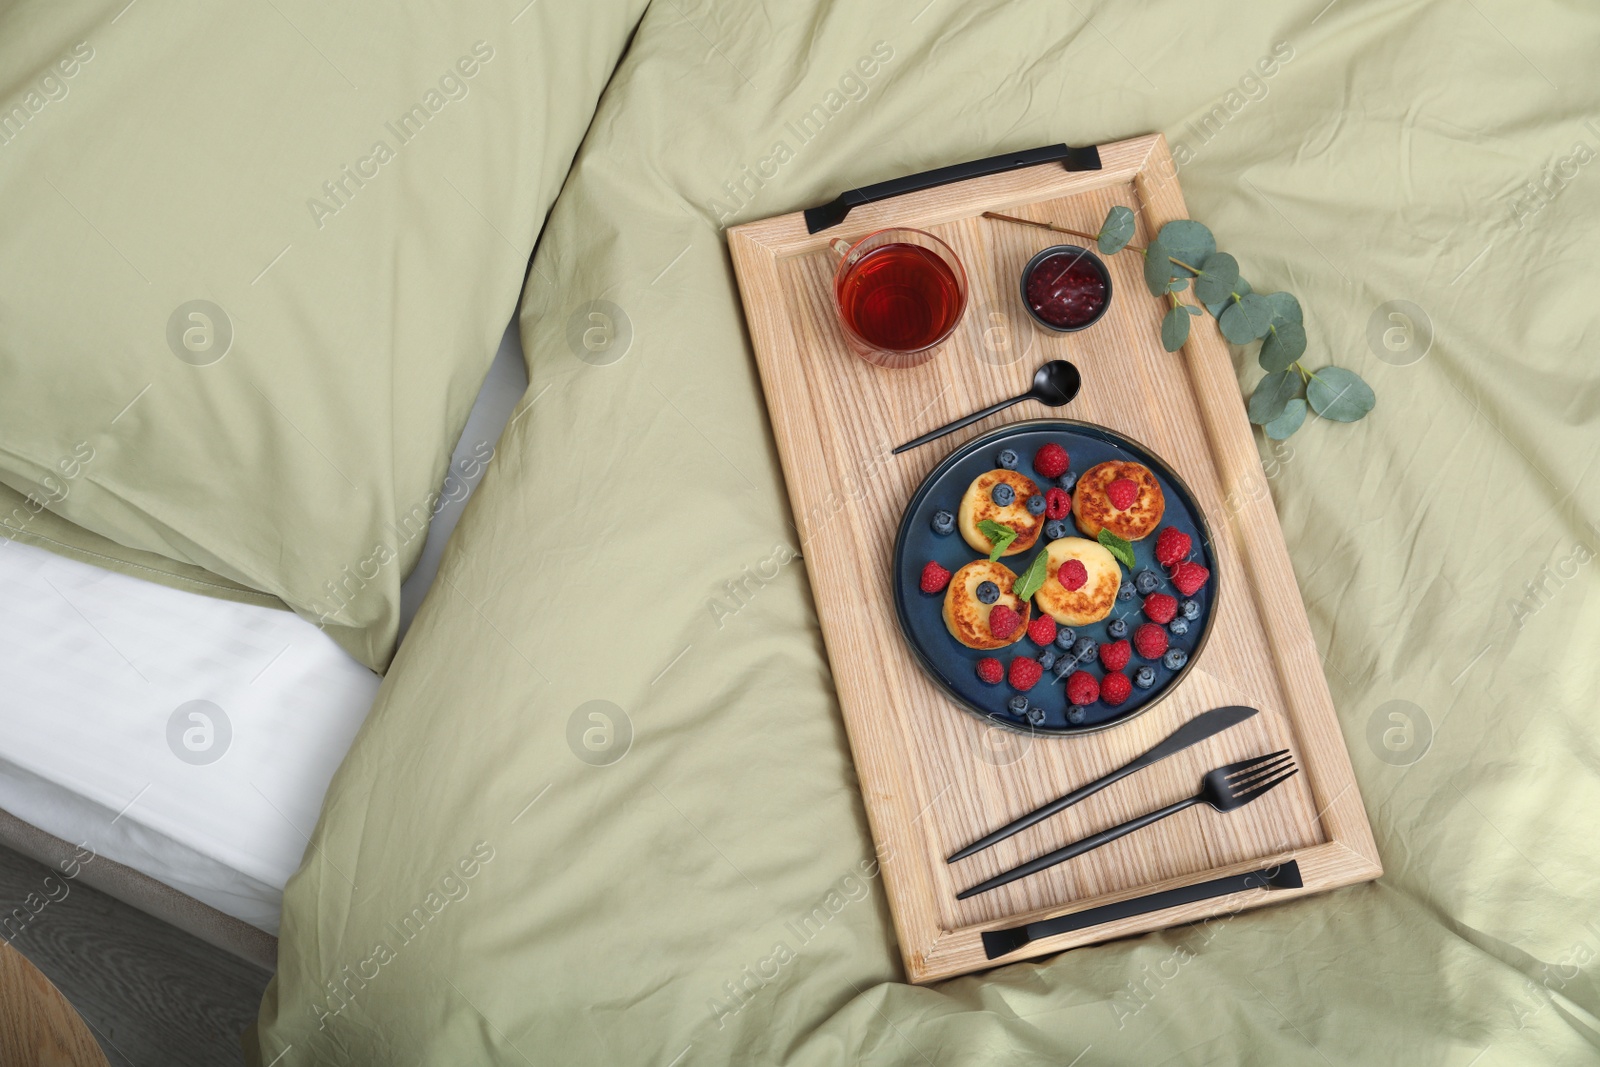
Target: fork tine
x,y
1233,769
1255,774
1256,790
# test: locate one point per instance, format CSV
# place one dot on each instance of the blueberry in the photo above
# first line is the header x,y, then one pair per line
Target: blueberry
x,y
1179,626
1076,714
1067,481
1065,665
1125,592
1056,529
1146,582
1036,504
1085,648
1008,459
1065,639
1002,494
988,592
1144,677
1117,628
1047,658
1035,715
1017,704
943,523
1174,659
1190,609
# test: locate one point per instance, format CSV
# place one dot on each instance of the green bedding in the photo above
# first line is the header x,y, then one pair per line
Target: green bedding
x,y
606,779
255,261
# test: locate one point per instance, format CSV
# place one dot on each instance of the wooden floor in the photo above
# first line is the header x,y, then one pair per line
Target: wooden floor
x,y
152,994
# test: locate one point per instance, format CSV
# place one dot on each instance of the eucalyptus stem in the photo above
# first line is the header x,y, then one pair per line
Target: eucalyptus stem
x,y
1052,226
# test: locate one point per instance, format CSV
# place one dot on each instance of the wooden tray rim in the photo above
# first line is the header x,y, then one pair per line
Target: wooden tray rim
x,y
1349,856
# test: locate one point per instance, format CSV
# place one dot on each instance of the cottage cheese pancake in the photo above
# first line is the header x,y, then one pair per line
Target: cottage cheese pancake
x,y
1090,601
1119,496
978,504
966,616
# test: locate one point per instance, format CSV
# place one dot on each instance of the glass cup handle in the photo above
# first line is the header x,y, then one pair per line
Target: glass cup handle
x,y
840,246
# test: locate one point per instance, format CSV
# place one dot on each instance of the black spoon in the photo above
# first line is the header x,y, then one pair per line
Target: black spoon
x,y
1054,384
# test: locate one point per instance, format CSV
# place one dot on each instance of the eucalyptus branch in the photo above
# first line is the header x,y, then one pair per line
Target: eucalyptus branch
x,y
1243,317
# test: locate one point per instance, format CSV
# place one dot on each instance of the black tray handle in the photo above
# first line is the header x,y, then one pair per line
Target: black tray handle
x,y
833,213
997,943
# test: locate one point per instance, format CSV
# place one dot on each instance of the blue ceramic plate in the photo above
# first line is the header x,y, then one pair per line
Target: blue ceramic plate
x,y
953,666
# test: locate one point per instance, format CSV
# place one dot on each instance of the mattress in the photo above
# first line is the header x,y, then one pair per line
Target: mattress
x,y
188,737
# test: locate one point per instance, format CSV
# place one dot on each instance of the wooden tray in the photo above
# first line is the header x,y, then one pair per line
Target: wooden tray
x,y
933,777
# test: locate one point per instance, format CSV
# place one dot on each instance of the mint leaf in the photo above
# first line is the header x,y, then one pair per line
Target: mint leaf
x,y
1032,578
999,534
1120,547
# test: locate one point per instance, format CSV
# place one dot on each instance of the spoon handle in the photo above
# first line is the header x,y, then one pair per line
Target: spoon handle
x,y
965,420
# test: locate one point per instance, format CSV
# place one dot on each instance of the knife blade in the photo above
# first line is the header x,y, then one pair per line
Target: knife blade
x,y
1206,724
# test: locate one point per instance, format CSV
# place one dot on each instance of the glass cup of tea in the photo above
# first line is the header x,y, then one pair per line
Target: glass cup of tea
x,y
899,293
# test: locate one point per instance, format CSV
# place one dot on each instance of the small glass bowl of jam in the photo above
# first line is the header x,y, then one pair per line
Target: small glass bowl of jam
x,y
1066,288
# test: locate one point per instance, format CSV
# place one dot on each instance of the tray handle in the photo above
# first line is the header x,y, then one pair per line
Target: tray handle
x,y
833,213
997,943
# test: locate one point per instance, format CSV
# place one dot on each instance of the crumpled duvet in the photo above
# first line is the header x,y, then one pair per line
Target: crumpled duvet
x,y
615,705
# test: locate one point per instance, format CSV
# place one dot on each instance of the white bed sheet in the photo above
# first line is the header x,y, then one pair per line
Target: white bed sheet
x,y
96,664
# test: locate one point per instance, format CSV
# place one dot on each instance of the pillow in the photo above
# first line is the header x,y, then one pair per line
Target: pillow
x,y
254,264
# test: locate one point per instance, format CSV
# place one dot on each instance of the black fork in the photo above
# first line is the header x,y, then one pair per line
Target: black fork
x,y
1225,789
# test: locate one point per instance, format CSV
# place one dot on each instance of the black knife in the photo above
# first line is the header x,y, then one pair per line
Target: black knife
x,y
1197,729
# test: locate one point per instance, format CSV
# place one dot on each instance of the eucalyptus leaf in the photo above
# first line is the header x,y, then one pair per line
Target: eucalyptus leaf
x,y
1179,282
1339,394
1158,273
1272,396
1175,328
1117,230
1192,309
1294,413
1189,241
1245,320
1241,287
1221,272
1284,343
1285,308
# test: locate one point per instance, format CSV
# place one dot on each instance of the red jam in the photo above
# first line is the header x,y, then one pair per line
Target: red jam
x,y
1066,290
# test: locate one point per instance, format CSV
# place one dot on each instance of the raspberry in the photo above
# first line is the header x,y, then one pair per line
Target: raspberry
x,y
1150,640
1082,688
1042,630
1025,673
1171,546
1003,622
989,670
1159,607
1115,688
934,578
1188,577
1122,493
1072,575
1051,461
1057,503
1114,657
